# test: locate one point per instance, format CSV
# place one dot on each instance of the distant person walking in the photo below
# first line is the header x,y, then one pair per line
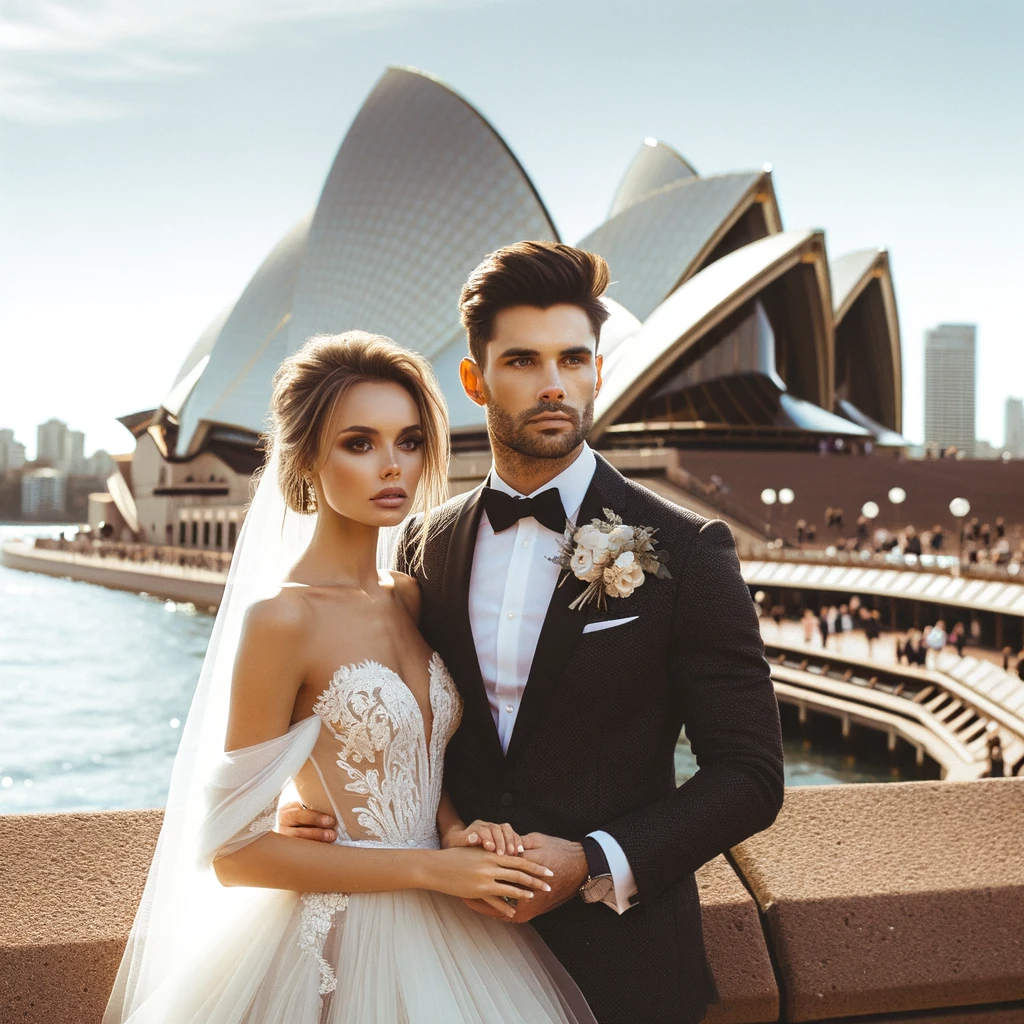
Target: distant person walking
x,y
872,630
823,628
836,617
935,641
807,622
958,638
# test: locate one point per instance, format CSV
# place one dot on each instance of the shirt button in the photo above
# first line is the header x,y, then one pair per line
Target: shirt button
x,y
509,708
526,543
511,615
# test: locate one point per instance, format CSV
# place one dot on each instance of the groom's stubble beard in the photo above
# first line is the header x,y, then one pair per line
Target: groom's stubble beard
x,y
511,433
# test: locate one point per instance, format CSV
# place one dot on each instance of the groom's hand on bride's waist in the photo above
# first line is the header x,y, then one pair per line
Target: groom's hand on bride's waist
x,y
304,823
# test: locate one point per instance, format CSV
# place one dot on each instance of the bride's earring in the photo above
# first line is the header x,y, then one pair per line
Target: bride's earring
x,y
309,495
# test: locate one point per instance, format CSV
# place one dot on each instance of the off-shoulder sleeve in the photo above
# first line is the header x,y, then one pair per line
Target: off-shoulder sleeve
x,y
244,787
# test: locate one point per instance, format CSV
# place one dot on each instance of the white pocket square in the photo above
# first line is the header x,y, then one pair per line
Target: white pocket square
x,y
593,627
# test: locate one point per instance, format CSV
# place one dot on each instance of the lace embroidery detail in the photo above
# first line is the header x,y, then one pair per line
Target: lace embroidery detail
x,y
265,822
377,721
318,912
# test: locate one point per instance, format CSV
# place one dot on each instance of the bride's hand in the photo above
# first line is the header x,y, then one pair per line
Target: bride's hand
x,y
499,839
481,875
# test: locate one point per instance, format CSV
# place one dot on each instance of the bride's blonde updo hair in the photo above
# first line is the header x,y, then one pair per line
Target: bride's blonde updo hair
x,y
308,386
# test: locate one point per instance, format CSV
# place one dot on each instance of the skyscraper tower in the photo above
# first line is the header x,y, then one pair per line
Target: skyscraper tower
x,y
1013,435
51,442
949,386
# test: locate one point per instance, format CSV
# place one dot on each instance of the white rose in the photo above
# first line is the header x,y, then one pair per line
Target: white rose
x,y
595,542
582,562
623,576
620,538
591,538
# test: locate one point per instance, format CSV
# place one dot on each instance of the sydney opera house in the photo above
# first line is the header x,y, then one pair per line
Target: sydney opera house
x,y
727,331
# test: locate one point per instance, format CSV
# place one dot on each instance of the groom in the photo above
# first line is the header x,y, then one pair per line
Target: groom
x,y
572,715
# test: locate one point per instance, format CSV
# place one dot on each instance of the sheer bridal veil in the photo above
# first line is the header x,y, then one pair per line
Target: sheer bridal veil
x,y
183,904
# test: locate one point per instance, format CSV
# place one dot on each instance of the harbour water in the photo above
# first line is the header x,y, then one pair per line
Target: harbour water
x,y
95,685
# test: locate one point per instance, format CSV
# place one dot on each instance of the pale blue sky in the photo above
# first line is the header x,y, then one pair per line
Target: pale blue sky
x,y
152,153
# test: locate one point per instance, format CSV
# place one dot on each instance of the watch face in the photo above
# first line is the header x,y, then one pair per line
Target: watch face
x,y
597,889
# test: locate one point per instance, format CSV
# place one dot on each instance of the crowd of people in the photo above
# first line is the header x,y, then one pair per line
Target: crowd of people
x,y
984,544
187,558
920,647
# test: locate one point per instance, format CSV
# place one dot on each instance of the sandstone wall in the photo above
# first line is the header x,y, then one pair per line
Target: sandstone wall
x,y
876,903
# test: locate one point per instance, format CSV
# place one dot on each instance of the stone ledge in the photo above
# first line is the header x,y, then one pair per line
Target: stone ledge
x,y
939,863
70,884
893,897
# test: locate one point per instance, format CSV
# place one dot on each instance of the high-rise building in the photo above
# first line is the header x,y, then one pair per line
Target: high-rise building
x,y
12,453
51,442
1013,436
43,493
949,387
74,452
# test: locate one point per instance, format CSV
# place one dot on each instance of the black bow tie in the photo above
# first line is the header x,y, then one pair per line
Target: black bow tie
x,y
504,511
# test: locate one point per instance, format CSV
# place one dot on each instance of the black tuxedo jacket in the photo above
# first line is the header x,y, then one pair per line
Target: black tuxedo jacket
x,y
594,741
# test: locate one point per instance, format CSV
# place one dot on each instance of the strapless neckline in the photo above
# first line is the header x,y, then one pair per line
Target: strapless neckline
x,y
435,666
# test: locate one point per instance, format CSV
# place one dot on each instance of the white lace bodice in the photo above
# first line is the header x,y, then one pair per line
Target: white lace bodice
x,y
379,771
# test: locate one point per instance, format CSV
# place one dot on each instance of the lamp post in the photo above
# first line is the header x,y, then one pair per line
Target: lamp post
x,y
960,508
869,510
768,498
786,497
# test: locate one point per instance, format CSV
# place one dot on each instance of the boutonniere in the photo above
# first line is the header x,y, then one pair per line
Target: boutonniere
x,y
611,557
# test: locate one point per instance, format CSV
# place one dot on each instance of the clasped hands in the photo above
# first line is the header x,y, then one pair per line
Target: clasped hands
x,y
563,858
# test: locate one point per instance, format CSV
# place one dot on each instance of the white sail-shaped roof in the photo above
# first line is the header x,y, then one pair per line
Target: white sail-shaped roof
x,y
868,358
659,241
705,301
655,166
234,389
421,190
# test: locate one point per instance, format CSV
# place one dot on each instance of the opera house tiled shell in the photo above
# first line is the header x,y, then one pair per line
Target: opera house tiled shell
x,y
725,328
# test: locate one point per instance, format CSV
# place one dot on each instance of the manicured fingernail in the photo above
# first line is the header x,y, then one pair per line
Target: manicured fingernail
x,y
521,848
549,873
530,895
546,887
331,835
473,837
325,820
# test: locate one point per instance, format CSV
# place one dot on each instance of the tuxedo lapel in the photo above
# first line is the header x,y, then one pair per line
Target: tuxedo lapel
x,y
461,657
563,626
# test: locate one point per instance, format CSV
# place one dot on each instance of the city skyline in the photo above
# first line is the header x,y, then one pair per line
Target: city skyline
x,y
57,444
105,208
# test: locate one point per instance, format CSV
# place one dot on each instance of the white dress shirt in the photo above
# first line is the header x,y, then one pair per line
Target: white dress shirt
x,y
509,592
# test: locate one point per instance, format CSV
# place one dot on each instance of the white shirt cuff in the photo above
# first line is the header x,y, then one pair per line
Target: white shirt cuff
x,y
622,873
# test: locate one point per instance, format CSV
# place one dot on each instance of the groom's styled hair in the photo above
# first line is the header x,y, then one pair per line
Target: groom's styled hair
x,y
541,274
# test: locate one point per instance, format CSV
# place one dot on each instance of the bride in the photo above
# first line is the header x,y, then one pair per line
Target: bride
x,y
317,680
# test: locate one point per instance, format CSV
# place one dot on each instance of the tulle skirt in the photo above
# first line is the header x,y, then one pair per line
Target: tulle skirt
x,y
407,957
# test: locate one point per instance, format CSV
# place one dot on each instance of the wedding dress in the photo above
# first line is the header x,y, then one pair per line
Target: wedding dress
x,y
203,953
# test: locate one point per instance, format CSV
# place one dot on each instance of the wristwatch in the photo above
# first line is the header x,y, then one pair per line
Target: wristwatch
x,y
599,884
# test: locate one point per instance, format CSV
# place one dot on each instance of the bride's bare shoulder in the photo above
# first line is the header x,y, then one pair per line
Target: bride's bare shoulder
x,y
284,615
